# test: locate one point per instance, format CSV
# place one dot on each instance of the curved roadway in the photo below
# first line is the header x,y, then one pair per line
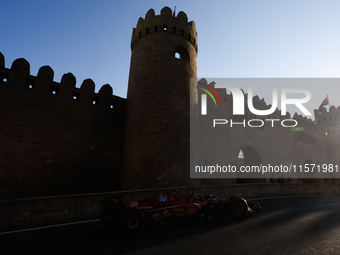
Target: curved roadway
x,y
287,225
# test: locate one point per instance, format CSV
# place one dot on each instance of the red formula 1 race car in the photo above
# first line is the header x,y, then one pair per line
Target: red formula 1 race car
x,y
169,209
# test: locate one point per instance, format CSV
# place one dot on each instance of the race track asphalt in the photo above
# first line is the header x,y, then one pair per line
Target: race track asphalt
x,y
287,225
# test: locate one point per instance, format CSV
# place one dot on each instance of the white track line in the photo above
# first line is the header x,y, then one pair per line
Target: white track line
x,y
324,206
51,226
263,198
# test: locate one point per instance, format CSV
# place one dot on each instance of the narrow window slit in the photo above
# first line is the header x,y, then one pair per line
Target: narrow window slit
x,y
75,95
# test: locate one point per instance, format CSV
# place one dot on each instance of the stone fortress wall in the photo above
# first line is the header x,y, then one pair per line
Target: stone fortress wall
x,y
58,139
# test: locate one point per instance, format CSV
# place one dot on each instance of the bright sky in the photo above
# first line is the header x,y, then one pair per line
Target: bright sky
x,y
91,39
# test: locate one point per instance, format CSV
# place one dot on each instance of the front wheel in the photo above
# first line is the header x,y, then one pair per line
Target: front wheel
x,y
238,207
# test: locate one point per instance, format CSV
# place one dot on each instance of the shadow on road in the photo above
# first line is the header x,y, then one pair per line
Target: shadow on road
x,y
122,243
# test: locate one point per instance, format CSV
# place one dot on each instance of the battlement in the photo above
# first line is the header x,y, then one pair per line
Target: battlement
x,y
18,78
333,115
165,23
299,118
54,134
259,104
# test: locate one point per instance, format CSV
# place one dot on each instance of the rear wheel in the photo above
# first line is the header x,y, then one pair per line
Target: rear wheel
x,y
133,221
238,207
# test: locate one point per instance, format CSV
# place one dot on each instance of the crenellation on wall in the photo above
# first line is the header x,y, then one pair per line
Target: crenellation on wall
x,y
331,116
150,14
306,123
255,99
46,73
54,139
164,23
106,90
2,60
21,65
69,80
88,86
19,77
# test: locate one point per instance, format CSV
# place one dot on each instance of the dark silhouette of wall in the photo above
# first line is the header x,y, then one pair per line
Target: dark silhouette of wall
x,y
56,138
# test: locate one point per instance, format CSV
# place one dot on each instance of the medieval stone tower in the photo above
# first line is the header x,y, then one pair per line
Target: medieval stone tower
x,y
328,127
164,52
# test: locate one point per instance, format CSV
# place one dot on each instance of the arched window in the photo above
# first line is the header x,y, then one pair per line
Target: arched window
x,y
182,53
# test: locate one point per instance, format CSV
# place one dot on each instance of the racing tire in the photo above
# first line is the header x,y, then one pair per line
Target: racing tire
x,y
238,207
132,221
